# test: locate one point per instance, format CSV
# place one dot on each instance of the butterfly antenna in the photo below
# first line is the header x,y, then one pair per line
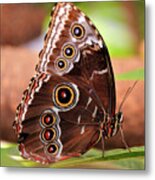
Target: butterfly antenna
x,y
123,139
128,92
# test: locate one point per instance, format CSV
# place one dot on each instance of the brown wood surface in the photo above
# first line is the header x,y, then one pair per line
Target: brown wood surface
x,y
20,23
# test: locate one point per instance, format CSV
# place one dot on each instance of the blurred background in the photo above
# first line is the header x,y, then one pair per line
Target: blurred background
x,y
121,24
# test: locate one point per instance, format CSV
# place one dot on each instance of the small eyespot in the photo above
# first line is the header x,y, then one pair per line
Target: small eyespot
x,y
64,96
69,51
52,149
48,118
61,64
48,134
78,31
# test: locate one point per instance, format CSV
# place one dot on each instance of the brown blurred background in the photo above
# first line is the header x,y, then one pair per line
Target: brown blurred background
x,y
22,24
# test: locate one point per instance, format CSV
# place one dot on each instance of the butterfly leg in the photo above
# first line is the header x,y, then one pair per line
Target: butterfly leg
x,y
123,140
102,142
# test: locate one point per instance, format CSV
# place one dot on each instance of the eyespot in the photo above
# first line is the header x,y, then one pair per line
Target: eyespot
x,y
65,96
48,134
48,118
78,31
52,149
69,51
61,64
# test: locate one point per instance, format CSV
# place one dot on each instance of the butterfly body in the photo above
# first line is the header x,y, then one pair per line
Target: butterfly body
x,y
69,104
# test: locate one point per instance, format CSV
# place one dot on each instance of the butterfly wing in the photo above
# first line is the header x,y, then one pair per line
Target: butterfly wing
x,y
70,30
74,89
51,126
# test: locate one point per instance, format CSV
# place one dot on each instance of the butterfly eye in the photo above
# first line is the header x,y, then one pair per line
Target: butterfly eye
x,y
48,134
48,119
78,31
52,149
64,96
61,64
69,51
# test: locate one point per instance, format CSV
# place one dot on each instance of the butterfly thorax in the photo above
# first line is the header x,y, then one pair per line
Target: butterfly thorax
x,y
111,125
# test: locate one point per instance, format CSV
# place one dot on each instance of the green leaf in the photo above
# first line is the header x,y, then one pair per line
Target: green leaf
x,y
114,159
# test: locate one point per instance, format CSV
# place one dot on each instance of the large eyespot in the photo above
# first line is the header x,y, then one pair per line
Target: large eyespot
x,y
52,149
48,118
65,96
69,51
48,134
61,64
78,31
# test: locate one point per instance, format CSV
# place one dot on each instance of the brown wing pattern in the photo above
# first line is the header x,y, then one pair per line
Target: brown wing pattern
x,y
91,63
73,135
74,89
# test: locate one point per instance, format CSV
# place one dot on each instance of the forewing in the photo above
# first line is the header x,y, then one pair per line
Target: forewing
x,y
90,62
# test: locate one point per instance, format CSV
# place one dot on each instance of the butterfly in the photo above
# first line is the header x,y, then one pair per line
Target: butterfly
x,y
69,105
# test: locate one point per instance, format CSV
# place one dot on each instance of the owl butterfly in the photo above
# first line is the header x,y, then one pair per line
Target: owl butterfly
x,y
69,105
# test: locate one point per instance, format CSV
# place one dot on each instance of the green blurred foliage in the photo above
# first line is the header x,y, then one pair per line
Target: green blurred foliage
x,y
137,74
112,20
114,159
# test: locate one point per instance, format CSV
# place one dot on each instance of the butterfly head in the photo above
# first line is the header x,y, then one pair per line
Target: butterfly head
x,y
119,117
117,123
